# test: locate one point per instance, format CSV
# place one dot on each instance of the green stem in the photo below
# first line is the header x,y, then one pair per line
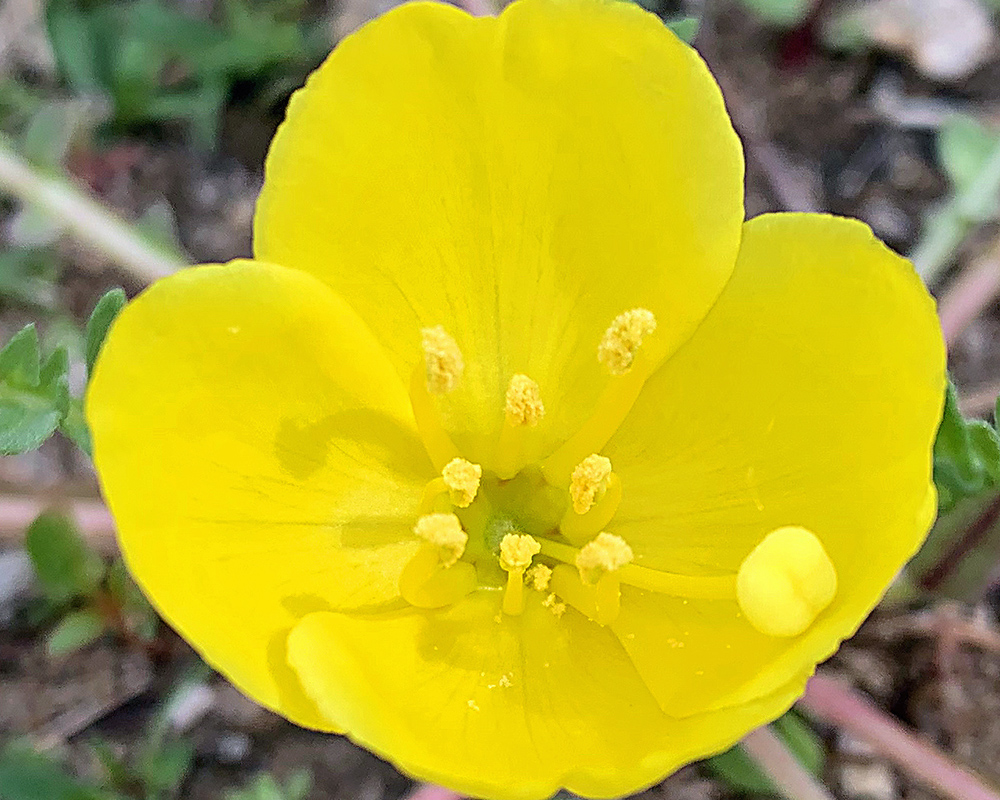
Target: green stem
x,y
86,218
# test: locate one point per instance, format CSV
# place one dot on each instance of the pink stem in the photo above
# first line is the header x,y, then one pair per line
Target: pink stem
x,y
786,772
839,705
971,293
17,512
477,8
428,791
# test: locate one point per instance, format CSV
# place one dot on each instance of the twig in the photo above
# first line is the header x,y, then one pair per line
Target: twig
x,y
91,517
429,792
839,705
970,294
85,217
765,747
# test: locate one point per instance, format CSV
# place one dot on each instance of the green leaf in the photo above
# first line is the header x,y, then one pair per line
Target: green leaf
x,y
964,146
139,615
104,313
25,423
19,359
77,629
741,772
75,42
66,567
164,769
966,455
27,775
74,426
686,28
782,13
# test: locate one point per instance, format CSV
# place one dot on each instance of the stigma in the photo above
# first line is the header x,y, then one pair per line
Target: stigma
x,y
623,338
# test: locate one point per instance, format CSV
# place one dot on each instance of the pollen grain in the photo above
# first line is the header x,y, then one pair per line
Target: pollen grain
x,y
623,338
443,360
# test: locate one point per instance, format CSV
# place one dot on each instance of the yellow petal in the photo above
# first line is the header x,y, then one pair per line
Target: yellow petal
x,y
510,709
260,461
809,397
519,180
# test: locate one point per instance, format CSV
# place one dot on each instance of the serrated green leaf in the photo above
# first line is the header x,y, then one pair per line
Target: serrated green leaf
x,y
74,426
25,423
964,146
741,772
104,313
19,359
66,567
685,28
77,629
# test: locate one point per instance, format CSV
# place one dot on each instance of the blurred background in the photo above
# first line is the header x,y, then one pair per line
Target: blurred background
x,y
132,139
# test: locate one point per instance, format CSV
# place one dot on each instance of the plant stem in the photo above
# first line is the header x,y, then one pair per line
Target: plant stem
x,y
839,705
970,294
86,218
776,761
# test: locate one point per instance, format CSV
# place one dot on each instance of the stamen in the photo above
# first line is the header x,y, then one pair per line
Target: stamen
x,y
523,409
581,528
439,446
786,582
623,338
523,402
712,587
434,577
589,482
538,577
443,531
443,360
516,552
606,553
462,479
630,363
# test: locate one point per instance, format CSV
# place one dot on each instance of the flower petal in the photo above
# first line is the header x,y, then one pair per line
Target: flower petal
x,y
259,457
505,707
810,396
520,180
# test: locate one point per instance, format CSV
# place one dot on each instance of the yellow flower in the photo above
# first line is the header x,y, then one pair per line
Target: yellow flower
x,y
532,464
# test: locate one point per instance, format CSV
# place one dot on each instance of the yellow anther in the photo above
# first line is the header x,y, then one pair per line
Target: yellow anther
x,y
589,482
605,553
523,402
443,360
538,577
517,550
555,606
785,582
462,479
623,337
444,531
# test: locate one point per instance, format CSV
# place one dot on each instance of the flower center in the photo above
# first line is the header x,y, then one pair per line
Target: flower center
x,y
548,528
